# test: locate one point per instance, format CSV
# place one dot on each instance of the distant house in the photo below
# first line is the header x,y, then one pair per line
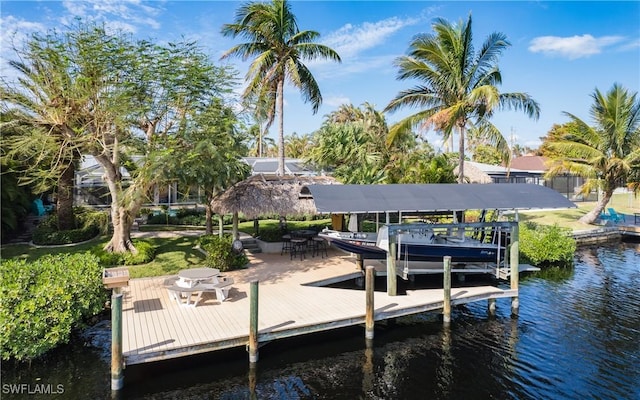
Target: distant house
x,y
90,188
476,172
525,169
567,184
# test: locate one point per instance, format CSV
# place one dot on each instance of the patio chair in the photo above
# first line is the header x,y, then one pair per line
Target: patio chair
x,y
614,216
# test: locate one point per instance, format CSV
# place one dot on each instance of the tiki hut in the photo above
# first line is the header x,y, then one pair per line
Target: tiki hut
x,y
270,194
474,173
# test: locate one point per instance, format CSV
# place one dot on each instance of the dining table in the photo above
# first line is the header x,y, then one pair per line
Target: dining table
x,y
303,233
192,276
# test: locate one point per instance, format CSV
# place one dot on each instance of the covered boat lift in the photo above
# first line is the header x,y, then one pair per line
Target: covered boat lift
x,y
429,198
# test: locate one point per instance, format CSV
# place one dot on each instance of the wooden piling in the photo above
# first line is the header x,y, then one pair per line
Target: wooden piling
x,y
253,322
117,373
369,289
446,306
392,287
514,256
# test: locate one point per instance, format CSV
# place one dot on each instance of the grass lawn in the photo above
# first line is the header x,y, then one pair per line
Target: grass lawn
x,y
622,202
172,254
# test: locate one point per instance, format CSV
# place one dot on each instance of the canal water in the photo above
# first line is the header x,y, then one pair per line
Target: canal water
x,y
577,337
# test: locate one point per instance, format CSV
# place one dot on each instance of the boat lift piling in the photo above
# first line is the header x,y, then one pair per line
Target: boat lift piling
x,y
252,347
514,255
369,314
446,304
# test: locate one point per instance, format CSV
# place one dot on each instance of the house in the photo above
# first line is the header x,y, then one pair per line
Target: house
x,y
90,188
566,183
476,172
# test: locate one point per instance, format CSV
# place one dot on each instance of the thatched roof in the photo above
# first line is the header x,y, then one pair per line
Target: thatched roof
x,y
473,173
270,194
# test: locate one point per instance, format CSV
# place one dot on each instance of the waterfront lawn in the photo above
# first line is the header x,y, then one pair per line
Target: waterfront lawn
x,y
172,254
624,203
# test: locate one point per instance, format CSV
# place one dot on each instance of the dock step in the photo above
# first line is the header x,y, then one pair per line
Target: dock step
x,y
251,245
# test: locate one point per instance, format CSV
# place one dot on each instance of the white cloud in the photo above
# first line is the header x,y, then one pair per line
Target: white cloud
x,y
336,101
572,47
350,39
128,16
14,32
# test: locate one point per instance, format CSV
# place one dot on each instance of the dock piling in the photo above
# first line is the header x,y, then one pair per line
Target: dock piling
x,y
446,306
117,374
253,322
369,289
392,285
514,256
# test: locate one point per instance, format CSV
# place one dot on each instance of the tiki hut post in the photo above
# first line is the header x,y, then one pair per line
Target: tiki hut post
x,y
236,235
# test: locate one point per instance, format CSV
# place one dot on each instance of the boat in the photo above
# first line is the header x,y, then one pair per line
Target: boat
x,y
416,245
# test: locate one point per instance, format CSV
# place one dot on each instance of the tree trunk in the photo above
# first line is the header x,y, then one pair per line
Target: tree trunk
x,y
121,239
280,105
208,217
64,203
591,216
121,217
220,225
461,157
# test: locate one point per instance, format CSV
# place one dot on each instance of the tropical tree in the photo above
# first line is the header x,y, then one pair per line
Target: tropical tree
x,y
262,111
458,86
15,199
352,142
40,107
210,138
297,146
608,153
280,49
420,164
120,98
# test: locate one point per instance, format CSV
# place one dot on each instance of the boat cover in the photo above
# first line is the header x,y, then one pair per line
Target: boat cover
x,y
346,199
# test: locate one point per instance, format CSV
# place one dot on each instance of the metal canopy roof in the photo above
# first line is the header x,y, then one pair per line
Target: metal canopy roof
x,y
434,197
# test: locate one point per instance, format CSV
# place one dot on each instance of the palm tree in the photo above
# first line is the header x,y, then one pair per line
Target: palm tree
x,y
459,87
41,108
279,48
608,154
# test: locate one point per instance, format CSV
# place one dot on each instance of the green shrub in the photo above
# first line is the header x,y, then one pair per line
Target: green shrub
x,y
546,245
42,301
89,224
220,255
146,253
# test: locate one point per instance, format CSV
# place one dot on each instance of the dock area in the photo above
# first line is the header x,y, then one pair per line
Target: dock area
x,y
290,303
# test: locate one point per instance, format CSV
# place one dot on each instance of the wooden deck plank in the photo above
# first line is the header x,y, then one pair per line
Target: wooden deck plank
x,y
156,327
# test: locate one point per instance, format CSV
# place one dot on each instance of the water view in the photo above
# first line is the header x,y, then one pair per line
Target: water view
x,y
577,336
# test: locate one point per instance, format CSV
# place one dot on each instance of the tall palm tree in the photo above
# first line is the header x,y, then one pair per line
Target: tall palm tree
x,y
279,48
607,154
458,86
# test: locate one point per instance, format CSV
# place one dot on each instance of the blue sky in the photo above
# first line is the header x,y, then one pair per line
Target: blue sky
x,y
560,51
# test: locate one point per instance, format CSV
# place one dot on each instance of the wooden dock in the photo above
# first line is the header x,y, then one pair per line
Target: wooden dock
x,y
156,328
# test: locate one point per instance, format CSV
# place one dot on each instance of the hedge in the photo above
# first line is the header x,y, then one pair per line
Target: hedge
x,y
42,301
546,245
89,224
220,254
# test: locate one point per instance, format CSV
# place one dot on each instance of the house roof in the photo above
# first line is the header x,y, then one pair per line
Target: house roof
x,y
530,163
434,197
269,166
